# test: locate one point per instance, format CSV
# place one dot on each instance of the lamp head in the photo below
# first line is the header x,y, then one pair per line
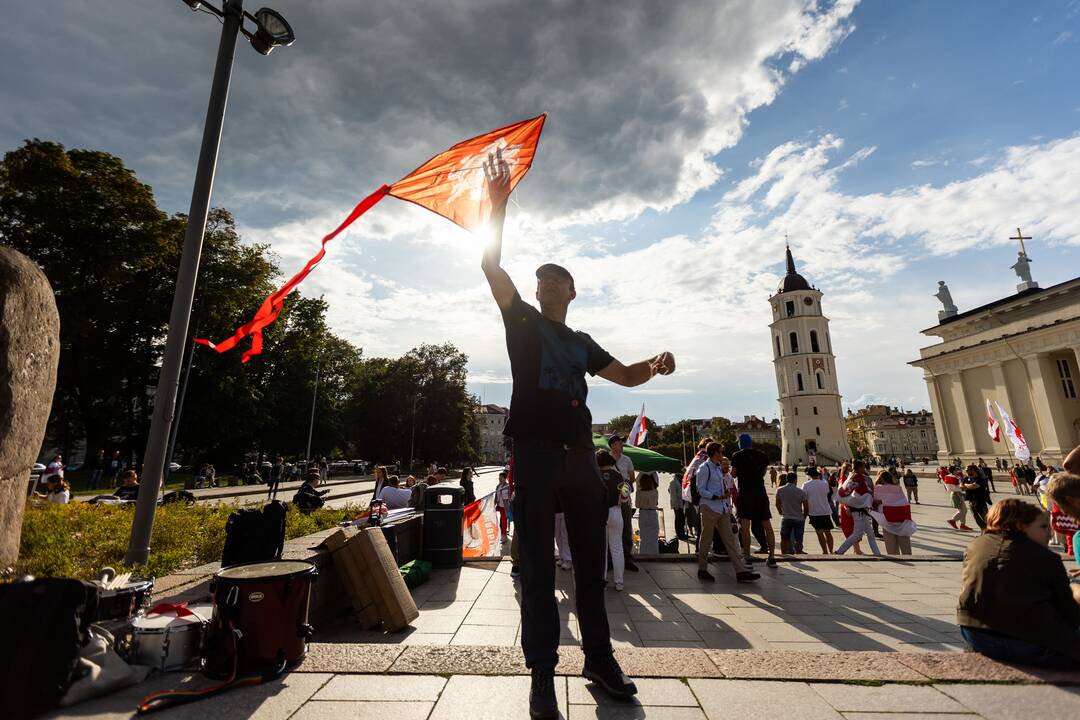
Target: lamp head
x,y
273,31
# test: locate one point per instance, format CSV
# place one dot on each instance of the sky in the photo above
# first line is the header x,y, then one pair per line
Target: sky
x,y
891,144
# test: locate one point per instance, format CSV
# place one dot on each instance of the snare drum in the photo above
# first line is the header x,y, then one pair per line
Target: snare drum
x,y
260,622
168,641
125,602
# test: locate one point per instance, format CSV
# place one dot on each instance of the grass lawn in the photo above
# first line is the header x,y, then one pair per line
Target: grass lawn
x,y
78,539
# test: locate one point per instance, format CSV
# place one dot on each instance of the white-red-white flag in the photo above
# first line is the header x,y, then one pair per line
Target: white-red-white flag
x,y
640,431
1016,438
993,427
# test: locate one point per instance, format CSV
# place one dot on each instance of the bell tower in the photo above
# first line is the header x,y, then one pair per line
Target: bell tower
x,y
811,419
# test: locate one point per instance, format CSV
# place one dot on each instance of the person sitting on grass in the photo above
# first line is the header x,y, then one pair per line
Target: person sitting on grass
x,y
57,491
1015,602
307,498
129,490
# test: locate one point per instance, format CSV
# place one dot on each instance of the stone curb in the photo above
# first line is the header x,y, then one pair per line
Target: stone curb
x,y
863,667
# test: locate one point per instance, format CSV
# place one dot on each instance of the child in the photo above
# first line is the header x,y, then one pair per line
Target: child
x,y
502,503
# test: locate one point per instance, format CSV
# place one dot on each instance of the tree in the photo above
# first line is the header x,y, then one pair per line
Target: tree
x,y
98,235
423,391
622,424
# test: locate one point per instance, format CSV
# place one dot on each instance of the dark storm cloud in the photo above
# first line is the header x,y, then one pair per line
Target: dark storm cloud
x,y
640,94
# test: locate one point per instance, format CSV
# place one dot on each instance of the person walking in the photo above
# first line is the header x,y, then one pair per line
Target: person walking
x,y
976,494
625,466
97,468
791,503
892,511
277,471
818,495
911,485
857,496
953,481
752,502
772,475
715,486
554,460
986,471
502,504
614,486
564,558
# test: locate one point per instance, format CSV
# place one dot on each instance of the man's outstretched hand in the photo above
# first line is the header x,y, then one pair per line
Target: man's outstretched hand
x,y
663,364
497,174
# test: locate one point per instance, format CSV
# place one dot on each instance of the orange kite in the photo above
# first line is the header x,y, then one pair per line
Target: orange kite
x,y
451,184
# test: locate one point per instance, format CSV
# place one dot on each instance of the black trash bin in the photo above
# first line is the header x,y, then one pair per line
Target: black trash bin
x,y
443,515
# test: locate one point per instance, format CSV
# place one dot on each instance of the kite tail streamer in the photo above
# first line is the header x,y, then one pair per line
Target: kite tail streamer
x,y
271,306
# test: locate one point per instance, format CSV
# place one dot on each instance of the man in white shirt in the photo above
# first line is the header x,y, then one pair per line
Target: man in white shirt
x,y
715,483
395,497
625,466
817,496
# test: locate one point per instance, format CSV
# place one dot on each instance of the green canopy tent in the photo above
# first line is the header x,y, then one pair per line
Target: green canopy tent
x,y
644,460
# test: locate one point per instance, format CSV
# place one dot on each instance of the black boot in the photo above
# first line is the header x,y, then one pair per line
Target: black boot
x,y
606,673
542,702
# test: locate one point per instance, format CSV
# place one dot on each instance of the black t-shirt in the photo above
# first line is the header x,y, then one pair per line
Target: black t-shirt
x,y
548,362
750,465
127,492
979,494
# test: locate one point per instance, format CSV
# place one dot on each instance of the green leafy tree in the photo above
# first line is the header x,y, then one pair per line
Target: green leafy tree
x,y
110,256
622,424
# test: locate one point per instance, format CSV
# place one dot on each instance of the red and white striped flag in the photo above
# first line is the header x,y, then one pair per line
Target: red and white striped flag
x,y
993,427
640,431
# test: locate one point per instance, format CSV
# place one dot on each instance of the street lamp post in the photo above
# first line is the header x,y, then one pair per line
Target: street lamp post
x,y
311,426
272,31
412,438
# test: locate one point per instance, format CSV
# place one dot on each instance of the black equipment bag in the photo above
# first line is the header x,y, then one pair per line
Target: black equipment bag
x,y
669,547
44,623
254,535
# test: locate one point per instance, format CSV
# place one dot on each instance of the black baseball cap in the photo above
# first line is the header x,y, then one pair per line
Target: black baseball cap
x,y
553,269
616,438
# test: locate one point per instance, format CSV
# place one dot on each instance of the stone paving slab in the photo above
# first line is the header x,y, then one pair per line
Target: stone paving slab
x,y
1009,702
775,664
489,698
907,699
365,710
727,699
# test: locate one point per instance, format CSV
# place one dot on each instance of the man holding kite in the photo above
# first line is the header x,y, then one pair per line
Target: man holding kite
x,y
554,460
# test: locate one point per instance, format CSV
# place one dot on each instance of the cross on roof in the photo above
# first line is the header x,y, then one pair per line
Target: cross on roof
x,y
1020,236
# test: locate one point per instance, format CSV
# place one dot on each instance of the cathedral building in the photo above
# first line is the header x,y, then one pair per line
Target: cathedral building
x,y
811,419
1021,352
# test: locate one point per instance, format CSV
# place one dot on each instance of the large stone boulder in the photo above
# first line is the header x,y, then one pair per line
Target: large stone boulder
x,y
29,353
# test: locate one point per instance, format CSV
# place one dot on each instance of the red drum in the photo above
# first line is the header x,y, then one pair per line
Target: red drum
x,y
260,622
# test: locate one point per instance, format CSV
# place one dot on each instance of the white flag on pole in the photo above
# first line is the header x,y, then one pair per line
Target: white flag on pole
x,y
1016,438
993,427
640,431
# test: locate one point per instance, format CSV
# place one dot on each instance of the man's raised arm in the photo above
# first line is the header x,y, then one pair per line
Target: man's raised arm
x,y
497,174
640,372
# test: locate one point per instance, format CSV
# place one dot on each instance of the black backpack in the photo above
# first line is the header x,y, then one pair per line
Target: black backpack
x,y
254,535
44,623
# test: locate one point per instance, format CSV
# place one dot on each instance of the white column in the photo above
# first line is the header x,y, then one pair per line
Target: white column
x,y
1049,439
938,410
963,415
1004,397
